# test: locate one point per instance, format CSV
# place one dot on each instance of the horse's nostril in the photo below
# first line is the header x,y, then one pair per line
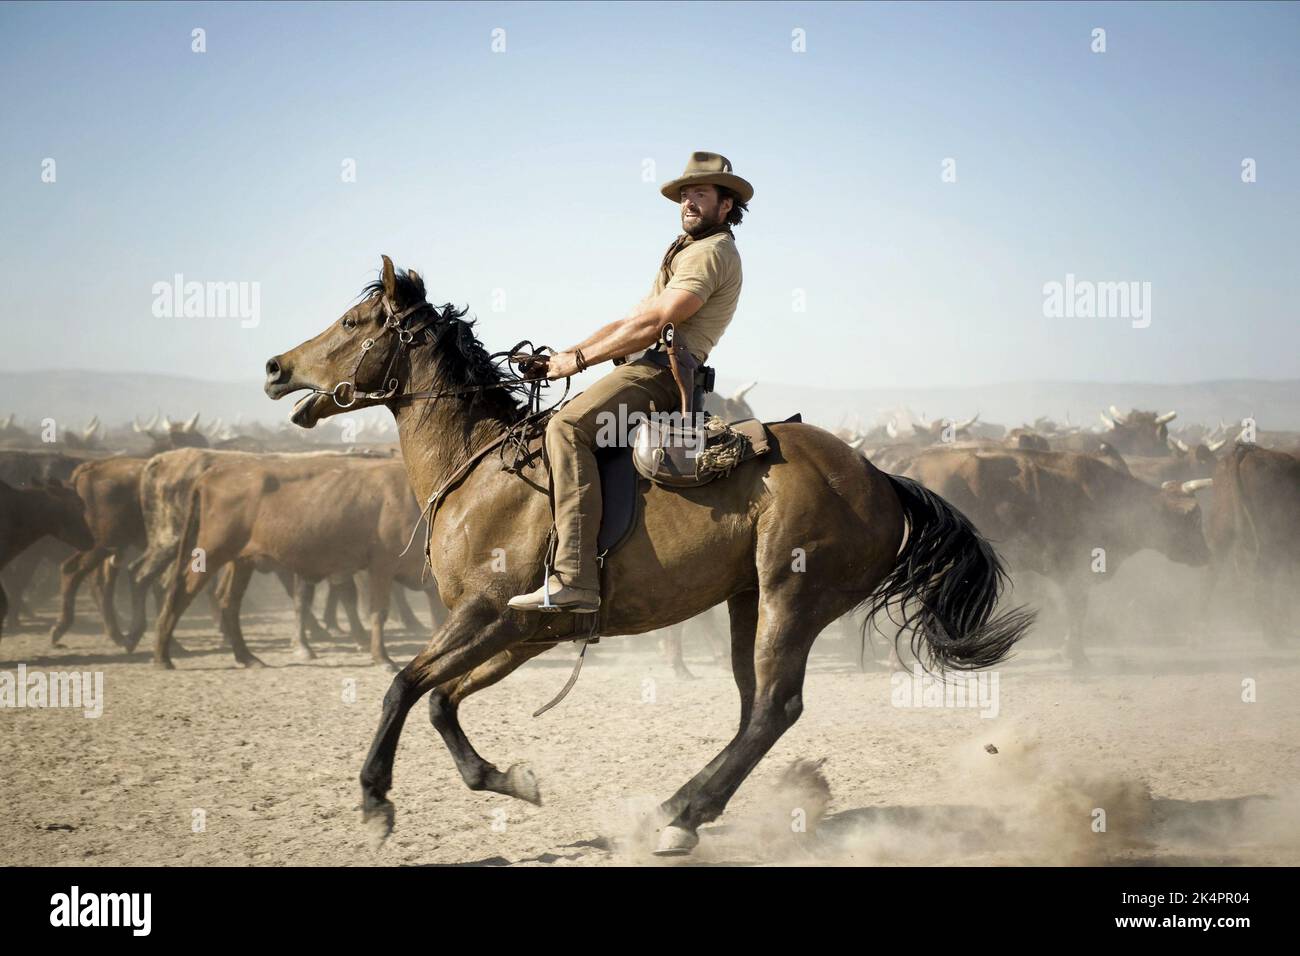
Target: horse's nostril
x,y
273,370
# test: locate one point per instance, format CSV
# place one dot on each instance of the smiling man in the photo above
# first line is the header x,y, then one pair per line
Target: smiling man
x,y
696,288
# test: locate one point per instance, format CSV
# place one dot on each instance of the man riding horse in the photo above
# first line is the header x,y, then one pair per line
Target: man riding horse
x,y
696,290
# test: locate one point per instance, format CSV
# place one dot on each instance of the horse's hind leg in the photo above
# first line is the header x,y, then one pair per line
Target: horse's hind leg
x,y
785,634
743,609
476,632
444,705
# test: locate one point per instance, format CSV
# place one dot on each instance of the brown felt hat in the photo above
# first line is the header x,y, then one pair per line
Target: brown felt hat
x,y
709,168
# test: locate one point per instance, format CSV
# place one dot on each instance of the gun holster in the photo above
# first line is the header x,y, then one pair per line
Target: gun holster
x,y
693,379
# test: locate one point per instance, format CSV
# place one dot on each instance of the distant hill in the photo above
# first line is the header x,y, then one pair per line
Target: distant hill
x,y
115,397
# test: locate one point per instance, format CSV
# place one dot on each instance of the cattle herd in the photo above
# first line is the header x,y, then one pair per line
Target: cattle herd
x,y
163,508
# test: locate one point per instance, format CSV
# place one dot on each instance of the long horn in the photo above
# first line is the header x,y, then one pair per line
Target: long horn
x,y
891,428
1117,415
1106,421
741,392
189,426
967,423
858,442
1166,417
1179,444
166,423
1216,445
1191,487
136,426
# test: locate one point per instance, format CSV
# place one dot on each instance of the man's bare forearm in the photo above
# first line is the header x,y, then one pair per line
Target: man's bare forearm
x,y
620,338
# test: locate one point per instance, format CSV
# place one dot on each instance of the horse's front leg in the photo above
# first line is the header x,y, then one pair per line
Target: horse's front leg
x,y
475,632
444,707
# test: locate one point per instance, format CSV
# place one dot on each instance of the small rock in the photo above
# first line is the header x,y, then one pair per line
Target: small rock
x,y
990,748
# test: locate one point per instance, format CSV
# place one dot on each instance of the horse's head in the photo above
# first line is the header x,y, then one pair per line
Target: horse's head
x,y
354,363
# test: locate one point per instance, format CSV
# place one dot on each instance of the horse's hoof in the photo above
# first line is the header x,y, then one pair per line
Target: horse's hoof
x,y
522,783
55,636
164,665
676,841
304,653
251,662
378,821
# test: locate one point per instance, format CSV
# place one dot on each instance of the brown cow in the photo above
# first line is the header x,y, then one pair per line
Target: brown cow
x,y
18,468
29,514
166,488
1254,527
314,516
1049,512
1134,433
110,490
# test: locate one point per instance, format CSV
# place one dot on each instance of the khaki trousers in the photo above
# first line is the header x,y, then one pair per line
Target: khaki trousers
x,y
599,413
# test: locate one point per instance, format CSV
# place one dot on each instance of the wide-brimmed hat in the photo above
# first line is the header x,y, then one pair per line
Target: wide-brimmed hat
x,y
709,168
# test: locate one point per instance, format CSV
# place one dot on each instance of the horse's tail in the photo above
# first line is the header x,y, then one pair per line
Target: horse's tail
x,y
945,583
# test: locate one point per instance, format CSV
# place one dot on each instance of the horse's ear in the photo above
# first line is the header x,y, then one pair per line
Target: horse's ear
x,y
415,276
390,278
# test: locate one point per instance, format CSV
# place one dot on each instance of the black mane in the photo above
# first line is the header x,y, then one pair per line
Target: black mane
x,y
462,356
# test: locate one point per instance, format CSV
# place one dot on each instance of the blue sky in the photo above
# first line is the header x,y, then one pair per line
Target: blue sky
x,y
521,172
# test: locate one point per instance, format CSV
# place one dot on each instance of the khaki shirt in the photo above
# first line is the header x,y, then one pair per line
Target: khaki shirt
x,y
709,268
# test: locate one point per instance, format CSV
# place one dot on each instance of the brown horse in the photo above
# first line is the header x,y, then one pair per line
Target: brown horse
x,y
790,541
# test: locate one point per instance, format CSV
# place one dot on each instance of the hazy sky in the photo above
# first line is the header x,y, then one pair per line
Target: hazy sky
x,y
515,181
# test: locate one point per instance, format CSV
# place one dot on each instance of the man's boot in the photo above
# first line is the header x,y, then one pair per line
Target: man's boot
x,y
562,598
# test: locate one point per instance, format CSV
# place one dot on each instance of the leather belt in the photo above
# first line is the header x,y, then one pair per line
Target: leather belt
x,y
703,374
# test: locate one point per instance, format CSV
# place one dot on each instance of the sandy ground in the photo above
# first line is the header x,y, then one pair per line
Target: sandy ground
x,y
1159,739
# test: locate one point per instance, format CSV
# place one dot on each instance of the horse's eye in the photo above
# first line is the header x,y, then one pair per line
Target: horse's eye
x,y
349,323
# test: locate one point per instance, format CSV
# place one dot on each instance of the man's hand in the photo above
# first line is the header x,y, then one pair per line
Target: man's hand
x,y
562,365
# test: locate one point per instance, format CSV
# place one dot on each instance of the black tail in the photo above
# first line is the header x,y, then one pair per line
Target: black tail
x,y
945,585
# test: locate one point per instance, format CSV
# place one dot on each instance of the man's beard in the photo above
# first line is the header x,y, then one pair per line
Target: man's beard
x,y
701,225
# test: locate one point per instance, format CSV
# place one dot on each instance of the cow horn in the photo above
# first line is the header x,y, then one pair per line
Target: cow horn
x,y
891,428
858,442
967,423
1117,415
1106,421
1216,445
9,421
741,392
136,426
1179,444
1191,487
1166,417
167,423
189,425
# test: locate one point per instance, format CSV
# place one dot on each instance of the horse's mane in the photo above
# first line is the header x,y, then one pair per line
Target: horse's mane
x,y
463,358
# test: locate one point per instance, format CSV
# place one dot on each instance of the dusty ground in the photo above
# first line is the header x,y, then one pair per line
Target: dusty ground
x,y
1159,738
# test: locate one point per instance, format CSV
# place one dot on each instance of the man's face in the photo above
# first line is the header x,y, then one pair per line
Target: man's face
x,y
701,209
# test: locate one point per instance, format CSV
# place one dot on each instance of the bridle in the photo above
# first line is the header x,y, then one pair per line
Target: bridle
x,y
345,392
347,388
